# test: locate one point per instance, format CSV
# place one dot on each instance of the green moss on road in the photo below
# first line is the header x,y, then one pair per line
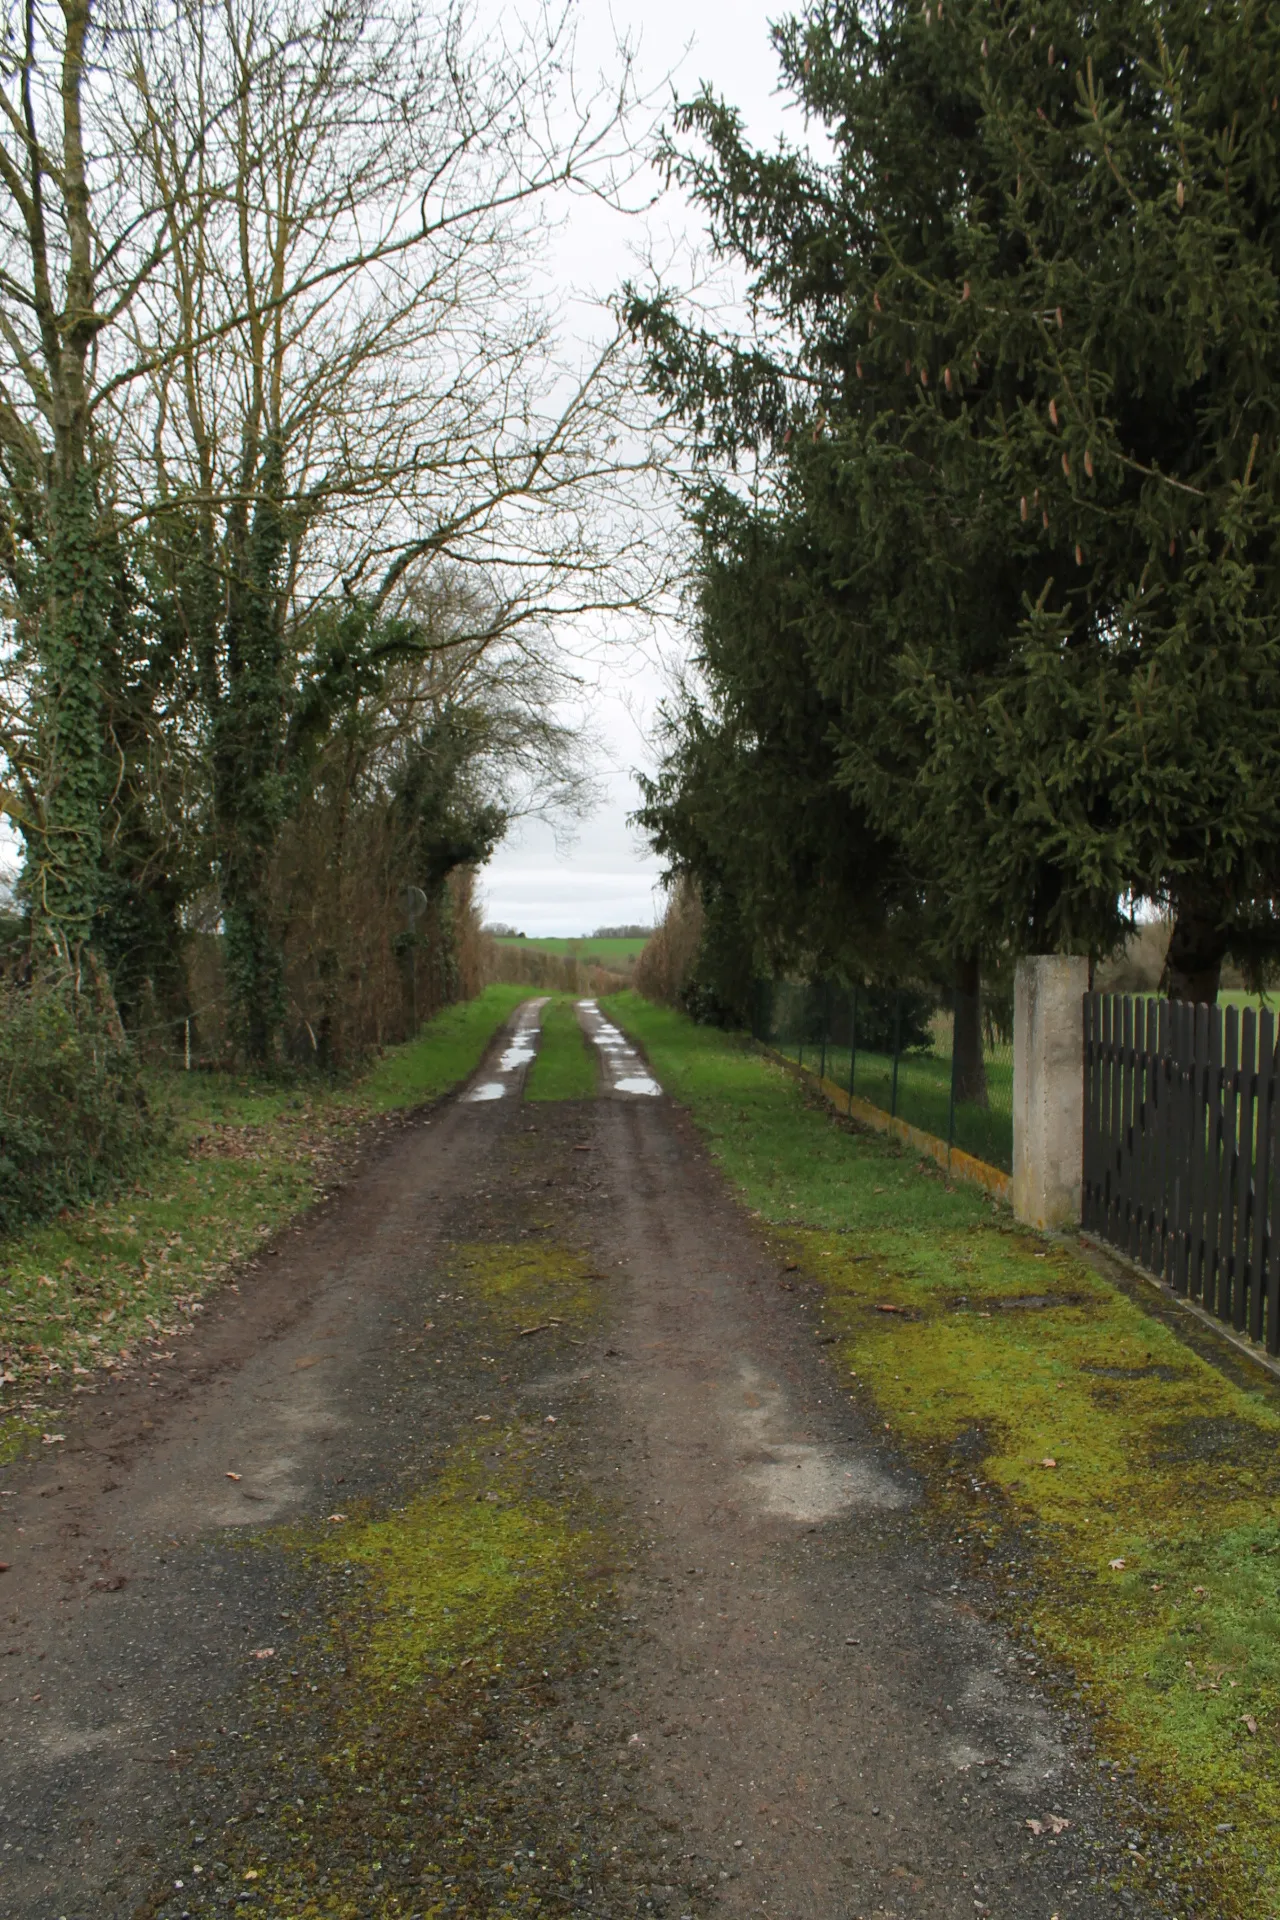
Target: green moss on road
x,y
464,1573
522,1284
1123,1490
393,1765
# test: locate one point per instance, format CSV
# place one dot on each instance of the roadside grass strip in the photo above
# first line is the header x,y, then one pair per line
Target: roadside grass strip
x,y
1121,1490
99,1287
565,1068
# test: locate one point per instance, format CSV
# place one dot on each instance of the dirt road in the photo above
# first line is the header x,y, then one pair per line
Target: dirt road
x,y
532,1384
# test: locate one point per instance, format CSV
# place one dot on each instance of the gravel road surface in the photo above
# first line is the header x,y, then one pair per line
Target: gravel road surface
x,y
765,1687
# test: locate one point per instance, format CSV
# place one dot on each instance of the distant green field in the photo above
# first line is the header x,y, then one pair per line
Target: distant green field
x,y
608,953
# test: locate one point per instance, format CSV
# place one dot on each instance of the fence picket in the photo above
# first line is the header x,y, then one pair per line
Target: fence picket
x,y
1094,1081
1244,1169
1261,1173
1227,1274
1162,1073
1116,1121
1144,1129
1213,1169
1184,1089
1197,1109
1273,1234
1151,1131
1124,1169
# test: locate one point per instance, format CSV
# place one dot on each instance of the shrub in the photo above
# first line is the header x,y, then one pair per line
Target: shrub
x,y
73,1115
667,961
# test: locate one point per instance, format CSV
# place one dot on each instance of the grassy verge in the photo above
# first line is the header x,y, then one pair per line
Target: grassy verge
x,y
1120,1487
924,1096
94,1288
565,1068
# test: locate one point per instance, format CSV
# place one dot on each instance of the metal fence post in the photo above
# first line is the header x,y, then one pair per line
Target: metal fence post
x,y
825,992
897,1049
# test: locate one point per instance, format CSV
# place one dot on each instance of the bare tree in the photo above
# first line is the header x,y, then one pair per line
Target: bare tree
x,y
302,361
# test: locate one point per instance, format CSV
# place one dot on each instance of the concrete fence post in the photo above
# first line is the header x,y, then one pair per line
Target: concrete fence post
x,y
1048,1089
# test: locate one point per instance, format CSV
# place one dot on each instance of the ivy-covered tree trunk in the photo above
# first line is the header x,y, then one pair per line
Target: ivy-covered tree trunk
x,y
249,774
64,840
968,1067
63,831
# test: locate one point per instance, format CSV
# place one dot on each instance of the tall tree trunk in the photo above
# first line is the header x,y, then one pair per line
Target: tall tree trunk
x,y
64,842
1197,948
249,775
968,1065
62,869
255,970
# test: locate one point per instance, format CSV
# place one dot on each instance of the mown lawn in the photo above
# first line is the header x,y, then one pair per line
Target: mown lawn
x,y
98,1286
1124,1491
924,1096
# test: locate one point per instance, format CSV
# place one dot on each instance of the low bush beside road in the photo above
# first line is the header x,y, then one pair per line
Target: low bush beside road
x,y
1113,1468
74,1116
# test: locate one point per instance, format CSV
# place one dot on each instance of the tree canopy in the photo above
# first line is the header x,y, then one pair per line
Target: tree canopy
x,y
1008,425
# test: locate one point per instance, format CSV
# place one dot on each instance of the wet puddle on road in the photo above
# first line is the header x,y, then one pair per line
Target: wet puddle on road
x,y
515,1057
622,1064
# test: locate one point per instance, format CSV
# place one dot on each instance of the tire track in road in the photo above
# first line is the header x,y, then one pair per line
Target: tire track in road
x,y
821,1705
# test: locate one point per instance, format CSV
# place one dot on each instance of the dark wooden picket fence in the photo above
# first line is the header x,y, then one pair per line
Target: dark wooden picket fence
x,y
1180,1146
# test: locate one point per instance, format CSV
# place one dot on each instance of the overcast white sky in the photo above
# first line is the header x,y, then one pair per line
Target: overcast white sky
x,y
607,877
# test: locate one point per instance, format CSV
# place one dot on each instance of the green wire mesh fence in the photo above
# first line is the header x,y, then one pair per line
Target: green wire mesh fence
x,y
940,1060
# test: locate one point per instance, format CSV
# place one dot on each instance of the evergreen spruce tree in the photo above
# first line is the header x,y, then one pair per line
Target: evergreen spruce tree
x,y
1027,434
